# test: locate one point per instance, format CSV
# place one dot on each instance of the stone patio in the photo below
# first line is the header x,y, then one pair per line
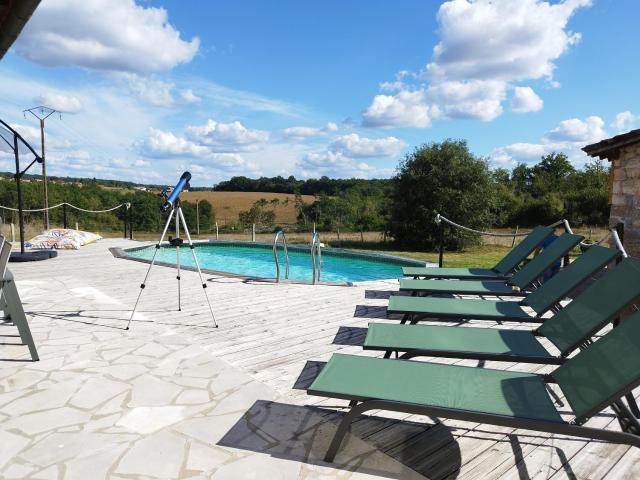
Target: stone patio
x,y
175,398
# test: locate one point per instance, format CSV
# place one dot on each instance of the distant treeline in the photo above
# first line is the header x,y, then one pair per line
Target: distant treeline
x,y
92,195
312,186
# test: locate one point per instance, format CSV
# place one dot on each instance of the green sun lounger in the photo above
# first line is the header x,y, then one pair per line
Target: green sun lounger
x,y
568,329
597,377
540,300
502,270
516,285
10,302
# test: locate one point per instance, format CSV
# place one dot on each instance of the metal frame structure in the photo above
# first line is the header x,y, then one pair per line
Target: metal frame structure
x,y
175,213
19,174
280,234
628,422
316,258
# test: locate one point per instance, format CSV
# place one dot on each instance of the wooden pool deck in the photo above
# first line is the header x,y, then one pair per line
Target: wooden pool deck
x,y
175,398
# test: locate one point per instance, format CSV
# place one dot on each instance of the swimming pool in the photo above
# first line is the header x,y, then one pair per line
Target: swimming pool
x,y
250,259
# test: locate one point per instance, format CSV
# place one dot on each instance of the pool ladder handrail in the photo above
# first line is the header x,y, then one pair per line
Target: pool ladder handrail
x,y
276,236
316,257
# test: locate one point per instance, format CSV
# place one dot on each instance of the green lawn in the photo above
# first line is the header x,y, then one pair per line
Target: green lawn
x,y
480,256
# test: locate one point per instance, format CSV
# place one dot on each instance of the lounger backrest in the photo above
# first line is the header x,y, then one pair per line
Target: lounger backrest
x,y
595,307
517,254
5,253
562,283
604,371
545,260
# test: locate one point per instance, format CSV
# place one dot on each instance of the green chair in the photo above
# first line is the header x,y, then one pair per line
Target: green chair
x,y
540,300
516,285
597,377
567,330
10,301
502,270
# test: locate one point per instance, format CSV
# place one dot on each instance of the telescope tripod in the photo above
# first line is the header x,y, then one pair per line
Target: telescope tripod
x,y
176,213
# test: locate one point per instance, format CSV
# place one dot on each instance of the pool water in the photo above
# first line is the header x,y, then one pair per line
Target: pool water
x,y
257,261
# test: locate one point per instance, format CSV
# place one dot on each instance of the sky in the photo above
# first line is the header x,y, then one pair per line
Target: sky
x,y
148,89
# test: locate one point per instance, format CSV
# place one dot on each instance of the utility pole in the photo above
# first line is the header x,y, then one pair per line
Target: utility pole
x,y
42,113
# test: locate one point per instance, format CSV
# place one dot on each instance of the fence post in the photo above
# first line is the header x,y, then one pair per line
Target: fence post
x,y
130,221
253,232
441,254
314,227
77,226
64,215
514,236
13,233
197,218
216,230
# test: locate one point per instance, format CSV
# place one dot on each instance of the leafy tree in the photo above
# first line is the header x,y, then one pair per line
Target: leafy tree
x,y
440,178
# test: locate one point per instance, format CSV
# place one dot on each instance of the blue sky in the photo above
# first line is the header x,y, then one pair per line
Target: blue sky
x,y
151,88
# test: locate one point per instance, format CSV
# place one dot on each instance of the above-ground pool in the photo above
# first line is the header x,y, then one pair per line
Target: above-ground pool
x,y
256,260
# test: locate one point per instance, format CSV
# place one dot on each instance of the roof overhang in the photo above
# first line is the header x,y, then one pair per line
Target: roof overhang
x,y
14,14
610,147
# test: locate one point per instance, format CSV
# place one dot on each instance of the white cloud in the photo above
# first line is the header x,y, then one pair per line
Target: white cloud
x,y
188,96
476,99
624,121
502,39
149,90
485,47
333,164
525,100
589,130
60,101
226,136
110,35
568,137
165,144
355,146
405,109
306,132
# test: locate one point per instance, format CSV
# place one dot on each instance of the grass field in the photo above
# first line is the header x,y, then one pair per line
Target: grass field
x,y
227,205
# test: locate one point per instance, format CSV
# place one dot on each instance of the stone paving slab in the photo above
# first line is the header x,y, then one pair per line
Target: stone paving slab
x,y
148,403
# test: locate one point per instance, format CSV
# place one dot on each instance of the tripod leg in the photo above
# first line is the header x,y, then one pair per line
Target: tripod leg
x,y
195,259
153,260
178,260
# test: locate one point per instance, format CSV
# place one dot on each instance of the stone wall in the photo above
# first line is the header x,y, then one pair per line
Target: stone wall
x,y
625,198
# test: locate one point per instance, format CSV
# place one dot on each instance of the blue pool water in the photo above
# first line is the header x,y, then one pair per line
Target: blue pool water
x,y
256,260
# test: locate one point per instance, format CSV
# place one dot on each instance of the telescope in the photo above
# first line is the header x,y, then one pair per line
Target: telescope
x,y
173,196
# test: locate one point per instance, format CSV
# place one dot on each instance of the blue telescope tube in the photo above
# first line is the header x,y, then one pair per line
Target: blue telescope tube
x,y
184,180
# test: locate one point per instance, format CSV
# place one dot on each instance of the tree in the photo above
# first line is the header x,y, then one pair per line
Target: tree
x,y
440,178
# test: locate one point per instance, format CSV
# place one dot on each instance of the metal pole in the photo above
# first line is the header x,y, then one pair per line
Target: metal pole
x,y
130,221
124,223
513,242
216,230
441,244
42,113
20,212
64,215
178,253
195,260
44,178
153,261
253,232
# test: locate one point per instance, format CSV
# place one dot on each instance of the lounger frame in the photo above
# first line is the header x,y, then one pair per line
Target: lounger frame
x,y
629,424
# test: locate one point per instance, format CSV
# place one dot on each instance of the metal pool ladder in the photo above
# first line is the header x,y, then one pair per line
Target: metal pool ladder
x,y
316,257
276,236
